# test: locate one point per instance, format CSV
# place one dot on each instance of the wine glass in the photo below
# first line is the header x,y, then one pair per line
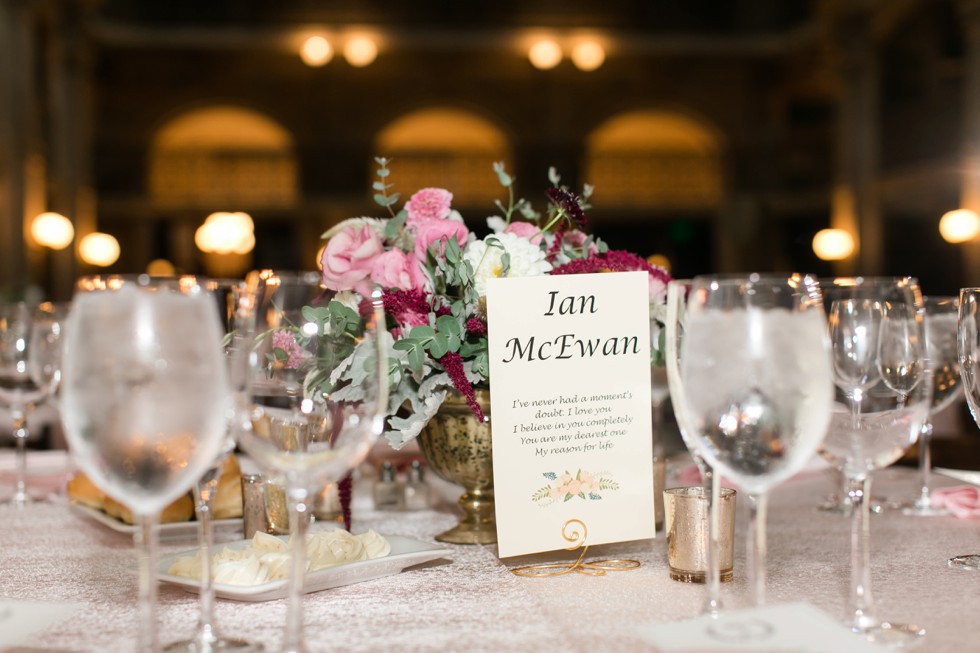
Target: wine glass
x,y
677,294
878,411
319,396
144,401
968,347
756,387
940,324
235,300
30,370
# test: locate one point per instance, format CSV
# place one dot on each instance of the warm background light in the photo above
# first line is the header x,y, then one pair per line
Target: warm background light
x,y
226,233
833,244
316,51
161,267
659,260
52,230
588,55
959,226
360,51
544,54
101,250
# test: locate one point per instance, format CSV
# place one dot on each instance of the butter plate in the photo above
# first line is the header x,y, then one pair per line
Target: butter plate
x,y
174,531
405,552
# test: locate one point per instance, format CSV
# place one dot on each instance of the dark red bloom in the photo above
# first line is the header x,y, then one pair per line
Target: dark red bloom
x,y
476,326
615,260
453,364
569,203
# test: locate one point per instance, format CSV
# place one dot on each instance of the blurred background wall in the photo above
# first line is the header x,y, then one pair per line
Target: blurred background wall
x,y
720,135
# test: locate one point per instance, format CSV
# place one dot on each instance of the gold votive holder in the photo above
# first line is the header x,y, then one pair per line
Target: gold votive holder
x,y
264,506
686,523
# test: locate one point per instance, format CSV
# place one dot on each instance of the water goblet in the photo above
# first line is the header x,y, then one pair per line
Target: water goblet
x,y
30,370
145,401
940,324
872,428
968,347
235,300
756,387
319,397
677,293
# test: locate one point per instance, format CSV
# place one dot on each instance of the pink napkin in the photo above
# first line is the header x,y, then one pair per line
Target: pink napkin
x,y
962,501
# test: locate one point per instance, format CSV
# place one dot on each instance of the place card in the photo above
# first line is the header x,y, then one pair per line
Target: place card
x,y
796,627
571,411
18,619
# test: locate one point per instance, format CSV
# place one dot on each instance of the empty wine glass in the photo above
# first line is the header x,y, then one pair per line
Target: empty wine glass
x,y
968,346
235,300
878,411
940,325
30,370
145,401
320,391
755,372
677,293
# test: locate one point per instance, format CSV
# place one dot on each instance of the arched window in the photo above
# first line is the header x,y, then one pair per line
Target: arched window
x,y
654,160
223,156
445,147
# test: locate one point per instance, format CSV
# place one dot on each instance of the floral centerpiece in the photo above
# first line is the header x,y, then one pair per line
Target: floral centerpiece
x,y
433,273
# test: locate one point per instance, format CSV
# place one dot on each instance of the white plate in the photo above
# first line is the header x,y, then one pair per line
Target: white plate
x,y
168,532
964,475
405,552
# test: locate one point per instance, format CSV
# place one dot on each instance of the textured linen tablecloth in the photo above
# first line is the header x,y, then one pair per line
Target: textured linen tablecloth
x,y
471,601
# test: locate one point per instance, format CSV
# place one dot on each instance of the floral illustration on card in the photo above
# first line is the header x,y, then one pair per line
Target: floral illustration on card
x,y
567,486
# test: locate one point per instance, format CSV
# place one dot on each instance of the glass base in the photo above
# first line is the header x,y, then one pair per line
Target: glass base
x,y
969,562
699,576
894,635
838,505
920,509
213,646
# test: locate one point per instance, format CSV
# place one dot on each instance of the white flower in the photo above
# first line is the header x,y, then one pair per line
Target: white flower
x,y
526,259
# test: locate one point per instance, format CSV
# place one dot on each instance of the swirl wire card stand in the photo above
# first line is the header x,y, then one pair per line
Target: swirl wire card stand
x,y
591,568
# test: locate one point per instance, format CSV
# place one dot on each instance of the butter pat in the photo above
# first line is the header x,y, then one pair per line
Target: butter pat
x,y
266,558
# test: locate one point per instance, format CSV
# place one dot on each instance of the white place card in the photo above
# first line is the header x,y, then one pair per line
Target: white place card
x,y
570,400
796,627
19,619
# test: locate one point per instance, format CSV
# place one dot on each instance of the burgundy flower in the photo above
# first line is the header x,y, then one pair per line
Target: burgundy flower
x,y
617,260
453,364
569,203
476,326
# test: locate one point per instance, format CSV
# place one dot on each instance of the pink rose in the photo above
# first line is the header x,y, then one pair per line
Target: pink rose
x,y
962,501
428,204
349,257
577,238
396,269
525,230
432,232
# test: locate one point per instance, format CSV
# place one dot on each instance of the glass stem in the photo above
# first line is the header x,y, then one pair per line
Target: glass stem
x,y
204,493
758,509
20,434
146,546
862,605
925,464
299,513
712,604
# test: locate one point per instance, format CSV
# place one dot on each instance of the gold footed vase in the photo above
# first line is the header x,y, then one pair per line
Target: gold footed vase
x,y
458,448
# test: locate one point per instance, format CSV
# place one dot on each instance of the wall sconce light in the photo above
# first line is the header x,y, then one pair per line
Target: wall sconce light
x,y
52,230
833,244
316,51
360,51
588,55
544,54
959,226
98,249
226,233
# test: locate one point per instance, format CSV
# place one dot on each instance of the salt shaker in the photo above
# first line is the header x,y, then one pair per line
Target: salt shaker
x,y
387,493
416,492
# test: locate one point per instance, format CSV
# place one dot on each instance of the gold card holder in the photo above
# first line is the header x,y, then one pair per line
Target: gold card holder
x,y
575,531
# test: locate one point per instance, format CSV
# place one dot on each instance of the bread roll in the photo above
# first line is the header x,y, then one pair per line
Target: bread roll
x,y
82,490
228,497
